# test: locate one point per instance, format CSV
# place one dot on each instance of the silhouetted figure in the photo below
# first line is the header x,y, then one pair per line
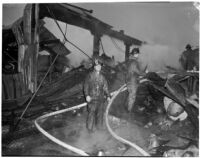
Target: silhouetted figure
x,y
190,58
132,77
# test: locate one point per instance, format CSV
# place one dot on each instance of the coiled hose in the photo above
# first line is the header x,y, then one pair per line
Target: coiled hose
x,y
79,151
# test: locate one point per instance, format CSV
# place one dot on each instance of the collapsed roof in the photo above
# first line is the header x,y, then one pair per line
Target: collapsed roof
x,y
47,40
68,14
79,17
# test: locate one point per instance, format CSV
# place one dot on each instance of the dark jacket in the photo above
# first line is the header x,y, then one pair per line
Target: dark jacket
x,y
96,86
133,69
190,59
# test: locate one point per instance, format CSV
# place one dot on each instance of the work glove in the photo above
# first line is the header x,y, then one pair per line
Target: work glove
x,y
108,97
88,99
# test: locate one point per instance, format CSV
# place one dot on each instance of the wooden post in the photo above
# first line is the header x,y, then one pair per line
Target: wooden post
x,y
27,42
31,40
36,44
96,41
96,44
50,73
127,51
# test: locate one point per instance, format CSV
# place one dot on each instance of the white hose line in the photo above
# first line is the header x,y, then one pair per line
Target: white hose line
x,y
57,141
74,149
143,152
62,111
193,71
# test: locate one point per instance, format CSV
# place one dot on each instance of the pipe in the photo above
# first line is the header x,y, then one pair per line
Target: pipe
x,y
79,151
143,152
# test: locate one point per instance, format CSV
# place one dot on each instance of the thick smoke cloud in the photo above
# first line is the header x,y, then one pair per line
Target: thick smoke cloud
x,y
157,57
167,27
196,26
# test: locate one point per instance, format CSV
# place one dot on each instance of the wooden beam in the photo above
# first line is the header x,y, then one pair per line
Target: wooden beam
x,y
127,51
96,41
31,40
74,16
35,44
122,37
50,73
43,43
96,44
70,15
27,19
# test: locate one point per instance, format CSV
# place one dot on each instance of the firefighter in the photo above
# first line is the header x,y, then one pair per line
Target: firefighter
x,y
96,93
132,77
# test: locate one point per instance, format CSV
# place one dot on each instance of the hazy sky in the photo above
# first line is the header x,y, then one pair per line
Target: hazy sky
x,y
164,23
167,27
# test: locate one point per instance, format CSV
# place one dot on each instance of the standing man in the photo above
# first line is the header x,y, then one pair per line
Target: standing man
x,y
189,59
96,92
132,77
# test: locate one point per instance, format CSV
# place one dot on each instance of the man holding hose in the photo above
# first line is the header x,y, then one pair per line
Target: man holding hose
x,y
132,77
96,92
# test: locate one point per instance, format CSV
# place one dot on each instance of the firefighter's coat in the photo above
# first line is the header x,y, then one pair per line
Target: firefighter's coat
x,y
96,87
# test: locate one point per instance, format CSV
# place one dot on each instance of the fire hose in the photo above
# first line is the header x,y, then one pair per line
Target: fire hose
x,y
55,140
79,151
143,152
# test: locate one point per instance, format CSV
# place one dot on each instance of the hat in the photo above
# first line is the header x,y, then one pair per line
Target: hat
x,y
135,51
188,46
98,62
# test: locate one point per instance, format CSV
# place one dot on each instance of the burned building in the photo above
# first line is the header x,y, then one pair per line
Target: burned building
x,y
38,97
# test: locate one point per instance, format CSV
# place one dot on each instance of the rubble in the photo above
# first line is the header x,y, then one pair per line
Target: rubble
x,y
166,104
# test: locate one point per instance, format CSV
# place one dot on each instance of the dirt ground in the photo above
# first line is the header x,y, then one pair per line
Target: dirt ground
x,y
73,131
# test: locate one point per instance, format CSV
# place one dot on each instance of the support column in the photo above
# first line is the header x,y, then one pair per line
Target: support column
x,y
31,40
127,51
27,18
35,44
96,44
96,32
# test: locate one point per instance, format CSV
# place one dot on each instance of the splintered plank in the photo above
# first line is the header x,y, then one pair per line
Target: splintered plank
x,y
8,80
4,87
22,83
3,90
12,87
76,90
18,86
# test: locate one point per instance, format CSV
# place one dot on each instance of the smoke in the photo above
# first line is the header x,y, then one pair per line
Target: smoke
x,y
80,37
196,23
157,57
113,47
196,26
83,39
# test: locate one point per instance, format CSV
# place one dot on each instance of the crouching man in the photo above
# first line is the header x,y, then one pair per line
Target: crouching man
x,y
96,93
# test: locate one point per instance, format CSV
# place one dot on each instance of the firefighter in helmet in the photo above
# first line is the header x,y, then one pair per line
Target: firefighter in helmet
x,y
132,77
96,93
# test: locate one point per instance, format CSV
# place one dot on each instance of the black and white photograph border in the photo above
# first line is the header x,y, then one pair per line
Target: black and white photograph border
x,y
100,78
